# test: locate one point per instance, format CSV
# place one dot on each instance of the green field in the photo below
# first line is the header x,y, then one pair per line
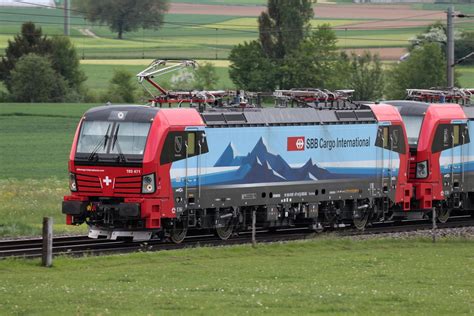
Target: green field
x,y
182,36
464,8
323,277
467,76
35,139
227,2
99,75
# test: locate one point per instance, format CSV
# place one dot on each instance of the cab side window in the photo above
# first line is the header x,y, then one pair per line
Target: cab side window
x,y
450,135
391,138
182,145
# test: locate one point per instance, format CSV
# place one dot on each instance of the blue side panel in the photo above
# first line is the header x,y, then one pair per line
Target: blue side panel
x,y
248,155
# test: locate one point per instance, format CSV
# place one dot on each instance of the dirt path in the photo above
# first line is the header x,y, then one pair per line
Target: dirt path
x,y
389,54
88,32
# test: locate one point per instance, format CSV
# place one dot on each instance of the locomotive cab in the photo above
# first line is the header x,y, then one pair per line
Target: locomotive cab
x,y
118,184
437,134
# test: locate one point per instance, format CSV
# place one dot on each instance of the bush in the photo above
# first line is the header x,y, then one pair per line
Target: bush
x,y
206,77
425,68
121,88
183,80
34,80
63,61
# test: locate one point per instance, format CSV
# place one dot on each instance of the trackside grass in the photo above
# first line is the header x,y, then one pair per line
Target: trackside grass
x,y
35,140
323,276
24,203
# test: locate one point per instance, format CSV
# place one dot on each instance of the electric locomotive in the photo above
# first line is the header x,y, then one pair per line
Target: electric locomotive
x,y
144,172
440,165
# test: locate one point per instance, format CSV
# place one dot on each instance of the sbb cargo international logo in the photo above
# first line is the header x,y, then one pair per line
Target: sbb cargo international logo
x,y
295,143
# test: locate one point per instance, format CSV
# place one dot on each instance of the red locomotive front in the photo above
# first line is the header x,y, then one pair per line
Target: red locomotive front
x,y
115,178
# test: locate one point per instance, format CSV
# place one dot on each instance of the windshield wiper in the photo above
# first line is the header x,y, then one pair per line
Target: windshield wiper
x,y
121,157
103,140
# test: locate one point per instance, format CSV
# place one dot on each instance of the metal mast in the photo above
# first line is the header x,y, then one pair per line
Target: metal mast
x,y
450,48
67,14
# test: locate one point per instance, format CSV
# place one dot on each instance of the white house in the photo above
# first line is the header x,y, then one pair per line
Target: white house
x,y
27,3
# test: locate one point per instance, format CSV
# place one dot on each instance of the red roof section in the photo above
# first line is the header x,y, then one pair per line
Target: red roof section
x,y
386,112
182,117
451,111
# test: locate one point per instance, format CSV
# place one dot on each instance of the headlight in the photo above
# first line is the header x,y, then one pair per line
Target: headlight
x,y
422,169
148,183
72,182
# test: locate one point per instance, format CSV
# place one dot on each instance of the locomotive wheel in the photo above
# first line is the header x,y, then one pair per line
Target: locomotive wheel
x,y
179,231
442,214
224,227
361,221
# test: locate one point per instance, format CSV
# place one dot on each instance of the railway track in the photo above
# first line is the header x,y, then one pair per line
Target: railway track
x,y
82,245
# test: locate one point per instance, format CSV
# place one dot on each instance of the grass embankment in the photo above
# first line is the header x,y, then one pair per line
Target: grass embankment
x,y
24,203
377,277
35,140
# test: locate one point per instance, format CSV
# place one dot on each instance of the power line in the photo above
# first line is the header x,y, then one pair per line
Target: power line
x,y
213,27
239,31
40,15
51,7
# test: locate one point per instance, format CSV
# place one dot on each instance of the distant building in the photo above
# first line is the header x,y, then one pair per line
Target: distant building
x,y
393,1
27,3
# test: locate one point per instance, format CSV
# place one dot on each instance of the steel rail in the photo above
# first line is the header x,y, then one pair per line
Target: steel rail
x,y
82,245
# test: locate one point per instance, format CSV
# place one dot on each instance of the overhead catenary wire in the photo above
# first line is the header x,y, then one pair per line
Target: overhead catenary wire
x,y
213,27
216,31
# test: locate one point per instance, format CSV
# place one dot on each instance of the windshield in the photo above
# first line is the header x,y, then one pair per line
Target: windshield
x,y
94,136
413,126
130,138
105,137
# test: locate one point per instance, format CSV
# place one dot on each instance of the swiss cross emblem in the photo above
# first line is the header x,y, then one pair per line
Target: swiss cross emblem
x,y
107,180
295,143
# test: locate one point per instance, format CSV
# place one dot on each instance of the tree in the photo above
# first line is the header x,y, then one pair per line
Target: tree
x,y
182,80
121,88
30,40
284,26
58,50
312,63
125,15
436,33
34,80
425,68
464,46
205,76
65,61
250,69
259,65
366,76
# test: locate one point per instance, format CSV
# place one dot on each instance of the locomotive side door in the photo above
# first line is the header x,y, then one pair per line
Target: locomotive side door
x,y
390,140
195,145
384,157
184,149
450,140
